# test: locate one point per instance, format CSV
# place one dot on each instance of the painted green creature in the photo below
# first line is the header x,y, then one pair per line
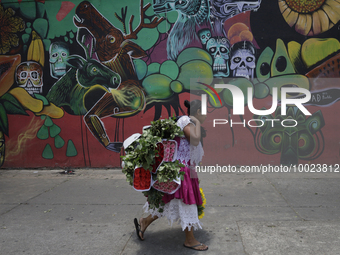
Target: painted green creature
x,y
86,78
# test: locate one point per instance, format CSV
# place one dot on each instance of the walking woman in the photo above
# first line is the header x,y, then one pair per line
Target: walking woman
x,y
182,205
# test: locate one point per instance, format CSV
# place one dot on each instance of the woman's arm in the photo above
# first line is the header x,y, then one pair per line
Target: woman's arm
x,y
193,132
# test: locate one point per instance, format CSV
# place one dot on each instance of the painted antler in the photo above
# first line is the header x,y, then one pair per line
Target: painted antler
x,y
154,23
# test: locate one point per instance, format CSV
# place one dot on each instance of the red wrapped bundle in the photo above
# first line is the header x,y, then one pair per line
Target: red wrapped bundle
x,y
167,187
141,179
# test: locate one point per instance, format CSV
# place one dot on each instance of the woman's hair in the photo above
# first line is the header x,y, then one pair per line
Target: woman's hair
x,y
192,106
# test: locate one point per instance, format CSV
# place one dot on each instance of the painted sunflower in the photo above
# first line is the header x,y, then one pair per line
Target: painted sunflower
x,y
310,17
10,25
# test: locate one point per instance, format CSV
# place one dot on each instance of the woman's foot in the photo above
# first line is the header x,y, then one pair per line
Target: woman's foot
x,y
196,246
191,242
142,228
143,224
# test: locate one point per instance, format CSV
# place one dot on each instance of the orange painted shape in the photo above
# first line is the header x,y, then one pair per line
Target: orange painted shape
x,y
65,8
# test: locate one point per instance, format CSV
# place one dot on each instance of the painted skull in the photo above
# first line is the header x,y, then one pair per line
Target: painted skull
x,y
218,47
58,59
29,75
242,56
204,35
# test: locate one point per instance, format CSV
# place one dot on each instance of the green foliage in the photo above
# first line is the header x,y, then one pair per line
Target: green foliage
x,y
166,129
169,171
154,198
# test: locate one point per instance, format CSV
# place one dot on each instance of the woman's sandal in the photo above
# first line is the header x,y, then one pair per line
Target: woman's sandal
x,y
193,247
138,230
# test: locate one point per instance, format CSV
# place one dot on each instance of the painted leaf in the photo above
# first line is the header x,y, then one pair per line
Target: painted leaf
x,y
71,150
48,122
47,153
58,142
54,130
12,105
43,132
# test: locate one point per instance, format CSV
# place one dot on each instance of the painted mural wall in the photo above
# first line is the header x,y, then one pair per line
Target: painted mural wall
x,y
79,77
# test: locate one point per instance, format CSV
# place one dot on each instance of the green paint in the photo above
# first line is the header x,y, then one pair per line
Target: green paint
x,y
41,26
43,132
241,83
193,54
171,17
71,149
153,68
261,90
58,142
28,10
280,55
147,38
164,27
263,64
157,86
48,122
47,153
176,86
54,130
47,43
40,10
140,67
193,72
25,37
170,69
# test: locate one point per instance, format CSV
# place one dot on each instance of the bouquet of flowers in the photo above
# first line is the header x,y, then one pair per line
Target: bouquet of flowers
x,y
149,163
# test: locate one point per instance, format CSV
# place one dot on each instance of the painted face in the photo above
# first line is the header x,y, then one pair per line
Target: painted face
x,y
219,50
204,35
243,63
29,75
58,59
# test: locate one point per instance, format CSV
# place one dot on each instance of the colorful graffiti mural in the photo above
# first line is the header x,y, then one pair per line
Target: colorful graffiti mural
x,y
78,77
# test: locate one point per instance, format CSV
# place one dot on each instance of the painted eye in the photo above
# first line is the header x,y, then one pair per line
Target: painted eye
x,y
23,75
94,69
34,75
223,50
212,50
281,63
112,39
63,54
237,60
54,55
249,59
264,69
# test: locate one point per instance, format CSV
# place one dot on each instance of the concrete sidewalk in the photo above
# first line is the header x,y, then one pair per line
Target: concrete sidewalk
x,y
92,211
